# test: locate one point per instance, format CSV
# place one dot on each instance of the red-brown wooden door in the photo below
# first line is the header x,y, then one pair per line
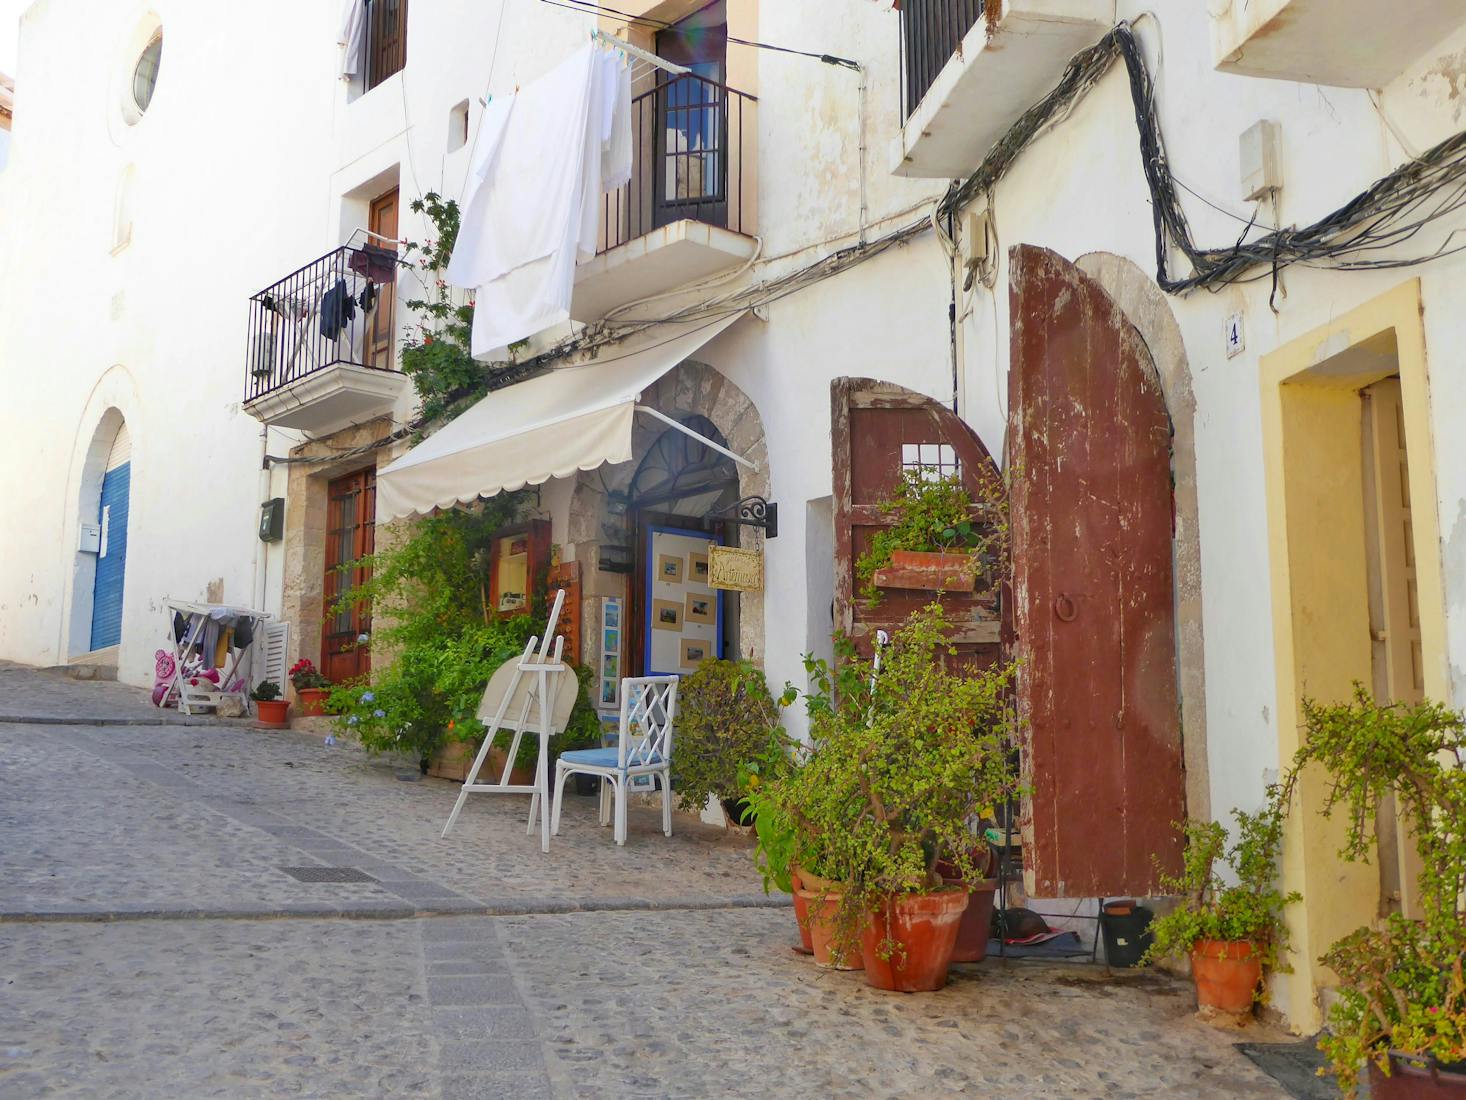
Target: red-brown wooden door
x,y
382,326
351,512
1093,596
877,430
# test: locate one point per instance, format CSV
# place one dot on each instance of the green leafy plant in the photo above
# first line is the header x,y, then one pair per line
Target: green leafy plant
x,y
304,675
438,640
934,515
724,717
1402,986
902,761
266,691
1243,906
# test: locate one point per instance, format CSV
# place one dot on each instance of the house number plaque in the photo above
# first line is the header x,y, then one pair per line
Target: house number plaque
x,y
734,569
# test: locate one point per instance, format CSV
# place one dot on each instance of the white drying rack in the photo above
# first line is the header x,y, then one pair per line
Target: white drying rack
x,y
193,698
536,714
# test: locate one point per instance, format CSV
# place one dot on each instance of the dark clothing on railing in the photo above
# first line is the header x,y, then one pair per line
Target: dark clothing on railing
x,y
337,310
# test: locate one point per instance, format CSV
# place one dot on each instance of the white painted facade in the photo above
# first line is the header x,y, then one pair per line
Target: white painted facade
x,y
254,158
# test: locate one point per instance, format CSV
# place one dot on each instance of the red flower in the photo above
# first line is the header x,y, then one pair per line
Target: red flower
x,y
427,341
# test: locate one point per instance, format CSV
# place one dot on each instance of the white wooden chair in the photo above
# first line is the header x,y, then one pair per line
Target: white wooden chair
x,y
642,754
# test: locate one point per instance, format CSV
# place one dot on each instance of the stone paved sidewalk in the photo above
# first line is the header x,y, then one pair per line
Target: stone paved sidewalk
x,y
131,854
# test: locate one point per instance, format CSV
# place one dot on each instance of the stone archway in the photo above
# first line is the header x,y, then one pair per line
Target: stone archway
x,y
1146,308
690,389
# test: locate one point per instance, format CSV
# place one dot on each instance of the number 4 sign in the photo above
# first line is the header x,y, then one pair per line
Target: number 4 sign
x,y
1235,340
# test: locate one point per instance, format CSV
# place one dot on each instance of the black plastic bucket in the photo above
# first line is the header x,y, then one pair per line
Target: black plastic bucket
x,y
1127,937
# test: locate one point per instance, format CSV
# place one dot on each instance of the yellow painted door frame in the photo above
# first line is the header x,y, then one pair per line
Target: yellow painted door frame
x,y
1312,421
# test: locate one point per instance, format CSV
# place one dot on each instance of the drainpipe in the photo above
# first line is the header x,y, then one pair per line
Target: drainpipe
x,y
260,561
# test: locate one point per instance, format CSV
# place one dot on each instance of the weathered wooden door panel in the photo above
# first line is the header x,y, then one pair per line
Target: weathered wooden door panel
x,y
1093,595
351,515
878,429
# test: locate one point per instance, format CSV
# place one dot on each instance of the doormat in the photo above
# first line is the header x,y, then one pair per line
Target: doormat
x,y
1294,1066
327,874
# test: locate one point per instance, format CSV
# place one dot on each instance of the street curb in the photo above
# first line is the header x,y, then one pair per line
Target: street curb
x,y
527,907
49,720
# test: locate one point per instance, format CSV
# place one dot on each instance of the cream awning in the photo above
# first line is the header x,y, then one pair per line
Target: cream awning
x,y
574,418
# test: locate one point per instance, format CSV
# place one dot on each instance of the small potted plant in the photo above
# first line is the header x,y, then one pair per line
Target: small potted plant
x,y
1231,928
725,715
311,688
271,710
940,541
1400,1016
911,754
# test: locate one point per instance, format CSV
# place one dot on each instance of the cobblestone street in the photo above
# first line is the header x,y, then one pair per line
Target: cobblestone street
x,y
152,946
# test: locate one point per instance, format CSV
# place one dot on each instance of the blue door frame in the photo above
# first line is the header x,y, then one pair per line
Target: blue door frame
x,y
112,560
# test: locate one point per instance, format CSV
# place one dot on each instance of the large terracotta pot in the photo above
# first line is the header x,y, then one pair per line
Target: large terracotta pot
x,y
312,701
494,767
821,906
975,929
1226,973
274,713
801,913
1415,1082
924,928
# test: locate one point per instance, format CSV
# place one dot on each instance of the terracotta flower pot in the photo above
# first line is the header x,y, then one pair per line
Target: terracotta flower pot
x,y
274,713
801,913
312,701
821,907
1226,973
1415,1082
924,928
928,571
975,928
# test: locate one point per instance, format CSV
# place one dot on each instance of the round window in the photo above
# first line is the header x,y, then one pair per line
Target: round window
x,y
145,74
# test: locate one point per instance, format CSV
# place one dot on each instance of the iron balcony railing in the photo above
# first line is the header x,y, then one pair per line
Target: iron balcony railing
x,y
337,309
931,31
687,160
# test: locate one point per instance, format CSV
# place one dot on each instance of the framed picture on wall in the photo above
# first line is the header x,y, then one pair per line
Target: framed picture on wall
x,y
694,652
702,607
666,615
669,568
697,568
610,666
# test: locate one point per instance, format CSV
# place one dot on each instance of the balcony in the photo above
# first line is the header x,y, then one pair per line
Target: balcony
x,y
1343,43
970,68
320,355
687,212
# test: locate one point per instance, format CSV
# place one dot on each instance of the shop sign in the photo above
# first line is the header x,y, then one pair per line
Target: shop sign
x,y
735,569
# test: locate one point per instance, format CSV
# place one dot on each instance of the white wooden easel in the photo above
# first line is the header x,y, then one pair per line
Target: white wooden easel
x,y
536,713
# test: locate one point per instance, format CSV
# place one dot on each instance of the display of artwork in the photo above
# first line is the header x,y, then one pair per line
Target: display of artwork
x,y
683,614
609,695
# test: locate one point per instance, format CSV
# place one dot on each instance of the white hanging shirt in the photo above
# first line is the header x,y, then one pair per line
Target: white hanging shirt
x,y
535,186
353,28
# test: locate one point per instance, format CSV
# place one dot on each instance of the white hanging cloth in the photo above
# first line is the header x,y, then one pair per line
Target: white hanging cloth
x,y
353,28
545,157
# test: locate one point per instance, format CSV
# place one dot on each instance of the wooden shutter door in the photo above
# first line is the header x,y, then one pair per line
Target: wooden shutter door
x,y
878,428
1093,599
351,512
382,328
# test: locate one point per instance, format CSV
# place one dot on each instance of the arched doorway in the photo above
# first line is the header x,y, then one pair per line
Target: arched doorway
x,y
106,491
1094,608
677,496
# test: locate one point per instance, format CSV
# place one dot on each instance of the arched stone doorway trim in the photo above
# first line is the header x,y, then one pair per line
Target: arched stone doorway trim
x,y
692,389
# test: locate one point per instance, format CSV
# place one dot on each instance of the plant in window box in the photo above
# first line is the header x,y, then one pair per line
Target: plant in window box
x,y
311,688
909,755
270,709
1231,928
1401,1011
724,718
935,544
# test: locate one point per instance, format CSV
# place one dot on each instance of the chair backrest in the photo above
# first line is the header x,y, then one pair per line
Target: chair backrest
x,y
648,708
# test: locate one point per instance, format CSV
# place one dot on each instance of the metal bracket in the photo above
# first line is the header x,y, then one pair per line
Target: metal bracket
x,y
753,512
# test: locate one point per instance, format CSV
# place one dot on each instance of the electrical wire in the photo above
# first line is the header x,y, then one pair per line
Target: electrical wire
x,y
654,23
